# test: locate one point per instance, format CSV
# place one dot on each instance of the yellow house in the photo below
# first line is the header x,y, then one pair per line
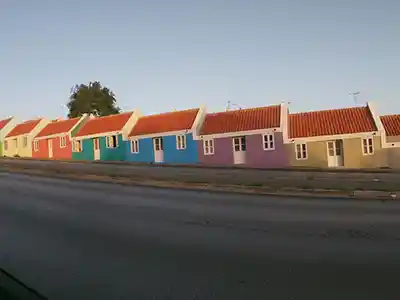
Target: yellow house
x,y
18,142
391,124
349,137
6,126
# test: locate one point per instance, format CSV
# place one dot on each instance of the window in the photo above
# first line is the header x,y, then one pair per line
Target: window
x,y
208,146
135,146
63,142
77,146
301,151
16,143
25,142
112,141
368,146
36,146
5,145
239,144
180,142
268,142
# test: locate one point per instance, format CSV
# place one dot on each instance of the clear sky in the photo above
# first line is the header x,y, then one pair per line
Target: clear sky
x,y
160,55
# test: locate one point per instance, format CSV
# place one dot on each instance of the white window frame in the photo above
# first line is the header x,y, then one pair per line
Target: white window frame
x,y
110,142
36,145
208,147
181,142
24,142
134,146
78,146
367,144
267,139
63,141
302,157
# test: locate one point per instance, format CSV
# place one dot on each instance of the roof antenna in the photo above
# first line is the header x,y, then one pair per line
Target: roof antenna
x,y
354,95
230,104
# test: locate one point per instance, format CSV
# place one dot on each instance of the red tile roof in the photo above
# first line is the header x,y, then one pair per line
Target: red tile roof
x,y
3,123
57,127
331,122
165,122
242,120
24,128
391,123
104,124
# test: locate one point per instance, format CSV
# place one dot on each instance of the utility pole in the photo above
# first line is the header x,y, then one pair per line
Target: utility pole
x,y
354,95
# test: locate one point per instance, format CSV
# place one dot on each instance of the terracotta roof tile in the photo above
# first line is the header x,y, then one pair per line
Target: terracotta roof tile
x,y
104,124
4,122
242,120
165,122
391,123
331,122
24,128
57,127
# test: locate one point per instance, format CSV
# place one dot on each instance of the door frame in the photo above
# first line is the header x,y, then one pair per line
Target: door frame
x,y
96,148
50,147
239,157
338,160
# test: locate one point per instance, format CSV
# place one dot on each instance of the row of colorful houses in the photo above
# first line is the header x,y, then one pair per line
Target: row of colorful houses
x,y
262,137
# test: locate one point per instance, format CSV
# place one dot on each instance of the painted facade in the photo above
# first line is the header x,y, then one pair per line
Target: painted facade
x,y
6,126
54,141
349,138
166,138
247,137
18,142
391,124
103,138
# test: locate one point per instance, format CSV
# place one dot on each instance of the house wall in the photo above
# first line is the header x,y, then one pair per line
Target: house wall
x,y
87,151
1,148
256,156
393,157
106,154
58,152
393,139
171,154
112,154
352,155
18,149
146,151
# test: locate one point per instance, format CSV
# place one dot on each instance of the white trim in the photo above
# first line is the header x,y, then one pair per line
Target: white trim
x,y
198,121
134,144
284,122
35,146
63,137
368,145
75,148
208,147
180,141
268,148
334,137
162,134
110,138
97,135
8,127
239,133
301,148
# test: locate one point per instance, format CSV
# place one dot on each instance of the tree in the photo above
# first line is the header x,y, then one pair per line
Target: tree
x,y
92,99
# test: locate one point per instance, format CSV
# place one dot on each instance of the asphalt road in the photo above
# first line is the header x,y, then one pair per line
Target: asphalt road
x,y
80,240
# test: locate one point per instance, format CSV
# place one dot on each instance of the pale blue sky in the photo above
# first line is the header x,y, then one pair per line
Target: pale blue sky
x,y
159,55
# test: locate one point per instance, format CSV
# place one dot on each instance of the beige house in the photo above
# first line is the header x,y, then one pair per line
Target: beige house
x,y
18,142
391,124
349,138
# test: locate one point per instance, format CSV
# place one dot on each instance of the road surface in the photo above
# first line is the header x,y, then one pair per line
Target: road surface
x,y
82,240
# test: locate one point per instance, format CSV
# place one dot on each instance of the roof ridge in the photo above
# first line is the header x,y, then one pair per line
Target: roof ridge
x,y
243,109
171,112
326,110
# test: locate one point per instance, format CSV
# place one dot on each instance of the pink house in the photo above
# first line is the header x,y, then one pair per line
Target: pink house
x,y
54,140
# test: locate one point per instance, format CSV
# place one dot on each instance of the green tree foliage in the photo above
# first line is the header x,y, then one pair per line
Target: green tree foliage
x,y
92,99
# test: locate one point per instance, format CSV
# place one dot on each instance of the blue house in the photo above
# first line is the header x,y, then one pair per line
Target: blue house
x,y
166,138
103,138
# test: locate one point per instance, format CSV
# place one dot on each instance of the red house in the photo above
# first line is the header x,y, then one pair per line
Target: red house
x,y
54,140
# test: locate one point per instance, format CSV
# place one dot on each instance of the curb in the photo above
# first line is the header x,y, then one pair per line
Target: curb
x,y
234,189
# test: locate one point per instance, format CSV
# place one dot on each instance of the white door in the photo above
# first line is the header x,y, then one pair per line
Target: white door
x,y
96,148
50,146
239,150
335,153
158,150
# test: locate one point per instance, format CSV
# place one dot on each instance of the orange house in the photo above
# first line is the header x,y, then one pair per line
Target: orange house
x,y
54,140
